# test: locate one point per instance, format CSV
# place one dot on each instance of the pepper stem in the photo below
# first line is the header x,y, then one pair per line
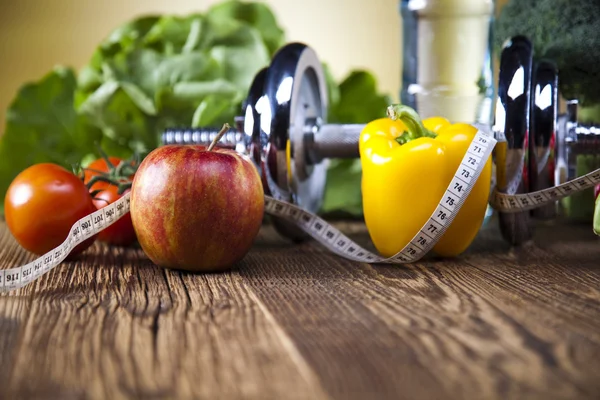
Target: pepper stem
x,y
410,118
224,129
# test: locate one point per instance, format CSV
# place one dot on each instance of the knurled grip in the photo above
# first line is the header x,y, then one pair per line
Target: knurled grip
x,y
201,136
331,141
337,141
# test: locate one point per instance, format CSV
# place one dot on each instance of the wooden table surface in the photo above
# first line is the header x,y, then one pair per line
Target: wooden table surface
x,y
293,321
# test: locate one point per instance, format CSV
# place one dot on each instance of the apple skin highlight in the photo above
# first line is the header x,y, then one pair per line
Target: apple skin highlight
x,y
194,209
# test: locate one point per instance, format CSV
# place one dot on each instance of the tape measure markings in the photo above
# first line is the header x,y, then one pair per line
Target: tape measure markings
x,y
319,229
329,236
528,201
455,195
83,229
460,186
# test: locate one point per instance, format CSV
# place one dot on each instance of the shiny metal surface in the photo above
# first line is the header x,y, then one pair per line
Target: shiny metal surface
x,y
513,124
544,113
250,122
232,139
335,141
296,94
284,130
295,90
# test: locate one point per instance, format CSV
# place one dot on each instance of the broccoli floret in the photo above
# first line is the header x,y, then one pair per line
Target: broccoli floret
x,y
564,31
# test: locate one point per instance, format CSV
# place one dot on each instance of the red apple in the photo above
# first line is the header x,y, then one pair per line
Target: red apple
x,y
196,208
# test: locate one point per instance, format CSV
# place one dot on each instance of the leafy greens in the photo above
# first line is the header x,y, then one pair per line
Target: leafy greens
x,y
161,71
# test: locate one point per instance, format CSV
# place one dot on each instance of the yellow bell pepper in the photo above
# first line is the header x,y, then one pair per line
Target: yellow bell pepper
x,y
407,166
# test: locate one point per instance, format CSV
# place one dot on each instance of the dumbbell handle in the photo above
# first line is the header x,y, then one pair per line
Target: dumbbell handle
x,y
201,136
329,141
337,141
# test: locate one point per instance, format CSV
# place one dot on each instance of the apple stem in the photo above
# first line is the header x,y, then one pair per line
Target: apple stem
x,y
224,129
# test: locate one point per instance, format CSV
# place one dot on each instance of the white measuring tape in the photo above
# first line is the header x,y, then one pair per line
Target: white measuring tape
x,y
457,192
86,227
528,201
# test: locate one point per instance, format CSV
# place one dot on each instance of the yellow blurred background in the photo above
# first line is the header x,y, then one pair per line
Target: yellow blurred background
x,y
36,35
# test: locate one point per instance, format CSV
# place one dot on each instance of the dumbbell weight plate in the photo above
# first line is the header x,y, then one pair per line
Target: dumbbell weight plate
x,y
544,114
251,123
294,95
513,124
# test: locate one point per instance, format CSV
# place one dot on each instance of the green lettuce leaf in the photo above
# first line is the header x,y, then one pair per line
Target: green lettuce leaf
x,y
175,34
42,126
168,74
160,71
256,15
343,193
359,102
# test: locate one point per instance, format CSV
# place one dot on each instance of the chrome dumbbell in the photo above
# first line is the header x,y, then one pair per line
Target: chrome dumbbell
x,y
537,148
285,132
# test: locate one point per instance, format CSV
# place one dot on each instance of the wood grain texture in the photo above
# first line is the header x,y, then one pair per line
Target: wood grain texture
x,y
112,325
294,321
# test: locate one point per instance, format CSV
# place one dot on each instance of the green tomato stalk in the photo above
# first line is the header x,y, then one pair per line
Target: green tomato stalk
x,y
117,175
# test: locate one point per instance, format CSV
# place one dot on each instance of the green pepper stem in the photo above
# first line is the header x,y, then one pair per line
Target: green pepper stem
x,y
410,118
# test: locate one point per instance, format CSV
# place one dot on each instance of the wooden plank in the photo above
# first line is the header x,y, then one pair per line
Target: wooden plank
x,y
112,325
293,321
489,324
13,311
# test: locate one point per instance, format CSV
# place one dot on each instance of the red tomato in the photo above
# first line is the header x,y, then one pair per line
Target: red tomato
x,y
121,233
42,204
